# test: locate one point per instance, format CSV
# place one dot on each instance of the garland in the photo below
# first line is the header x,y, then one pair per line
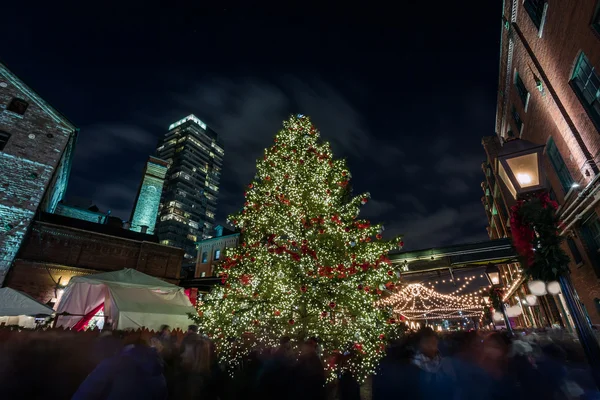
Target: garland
x,y
534,228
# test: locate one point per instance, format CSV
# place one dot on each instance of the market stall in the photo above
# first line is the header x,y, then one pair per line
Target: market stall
x,y
17,308
126,299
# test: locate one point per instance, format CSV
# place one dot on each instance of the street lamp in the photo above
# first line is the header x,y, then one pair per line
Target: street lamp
x,y
520,166
493,274
520,169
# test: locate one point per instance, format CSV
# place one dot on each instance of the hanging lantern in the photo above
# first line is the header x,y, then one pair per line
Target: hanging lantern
x,y
553,287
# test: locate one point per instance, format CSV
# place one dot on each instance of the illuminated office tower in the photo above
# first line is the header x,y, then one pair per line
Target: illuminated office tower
x,y
189,198
147,201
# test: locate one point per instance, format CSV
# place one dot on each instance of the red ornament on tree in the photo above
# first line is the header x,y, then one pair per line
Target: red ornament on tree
x,y
250,186
277,313
303,289
291,322
401,243
332,304
379,236
364,200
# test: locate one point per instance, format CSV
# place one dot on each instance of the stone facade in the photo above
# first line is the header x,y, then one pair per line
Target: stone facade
x,y
85,214
147,201
548,94
52,253
36,148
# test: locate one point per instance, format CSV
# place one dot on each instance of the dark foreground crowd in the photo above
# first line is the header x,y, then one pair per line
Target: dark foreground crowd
x,y
424,365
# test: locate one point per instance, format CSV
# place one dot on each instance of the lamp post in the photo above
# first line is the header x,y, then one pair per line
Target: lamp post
x,y
493,274
520,169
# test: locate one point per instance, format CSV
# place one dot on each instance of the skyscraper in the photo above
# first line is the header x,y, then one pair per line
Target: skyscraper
x,y
189,198
147,201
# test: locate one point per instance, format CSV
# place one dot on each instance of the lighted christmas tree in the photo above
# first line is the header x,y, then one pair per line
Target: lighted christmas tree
x,y
306,267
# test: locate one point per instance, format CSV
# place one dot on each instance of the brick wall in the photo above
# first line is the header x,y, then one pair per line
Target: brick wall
x,y
53,251
545,61
39,280
209,247
37,141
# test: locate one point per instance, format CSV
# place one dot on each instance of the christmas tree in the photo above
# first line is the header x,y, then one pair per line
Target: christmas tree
x,y
306,267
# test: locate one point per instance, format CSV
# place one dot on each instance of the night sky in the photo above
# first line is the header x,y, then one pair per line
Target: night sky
x,y
405,93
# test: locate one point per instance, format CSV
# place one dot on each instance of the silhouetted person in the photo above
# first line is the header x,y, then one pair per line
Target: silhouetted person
x,y
276,376
135,373
309,374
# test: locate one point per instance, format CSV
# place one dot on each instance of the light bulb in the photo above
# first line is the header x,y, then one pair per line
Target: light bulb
x,y
524,179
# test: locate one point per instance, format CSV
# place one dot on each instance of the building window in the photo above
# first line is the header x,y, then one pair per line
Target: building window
x,y
574,251
204,257
18,106
536,11
4,136
517,119
217,254
564,176
522,90
586,84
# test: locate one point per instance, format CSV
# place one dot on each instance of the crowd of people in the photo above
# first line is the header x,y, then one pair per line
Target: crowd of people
x,y
480,365
423,365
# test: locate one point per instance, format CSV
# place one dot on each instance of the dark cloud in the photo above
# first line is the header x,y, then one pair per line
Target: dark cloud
x,y
376,208
465,164
444,226
455,187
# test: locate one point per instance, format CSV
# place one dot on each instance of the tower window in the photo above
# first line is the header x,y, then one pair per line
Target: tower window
x,y
4,136
586,84
536,10
522,90
18,106
217,254
564,176
517,119
204,257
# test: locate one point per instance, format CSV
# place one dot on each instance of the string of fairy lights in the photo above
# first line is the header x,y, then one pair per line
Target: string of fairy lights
x,y
415,301
466,282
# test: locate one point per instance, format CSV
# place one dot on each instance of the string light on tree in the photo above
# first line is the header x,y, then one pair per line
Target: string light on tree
x,y
307,265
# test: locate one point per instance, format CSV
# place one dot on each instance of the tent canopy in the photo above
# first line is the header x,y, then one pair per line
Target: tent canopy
x,y
131,300
14,303
127,278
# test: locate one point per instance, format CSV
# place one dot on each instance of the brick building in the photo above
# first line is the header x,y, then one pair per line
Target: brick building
x,y
58,248
36,149
210,251
147,200
548,93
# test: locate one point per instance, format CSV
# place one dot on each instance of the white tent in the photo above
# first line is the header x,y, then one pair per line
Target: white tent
x,y
17,308
131,299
